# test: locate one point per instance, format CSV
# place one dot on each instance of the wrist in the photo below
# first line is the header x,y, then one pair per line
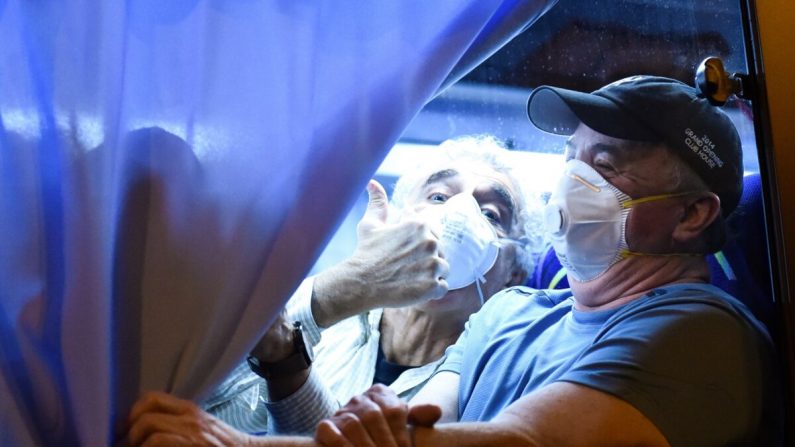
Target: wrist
x,y
282,387
298,359
278,344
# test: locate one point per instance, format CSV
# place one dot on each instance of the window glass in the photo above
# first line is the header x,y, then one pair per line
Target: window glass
x,y
582,45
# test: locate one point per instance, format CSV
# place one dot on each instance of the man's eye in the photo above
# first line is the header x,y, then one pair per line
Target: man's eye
x,y
492,216
604,168
437,197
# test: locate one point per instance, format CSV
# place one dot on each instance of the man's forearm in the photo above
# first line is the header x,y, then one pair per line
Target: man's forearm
x,y
300,412
338,293
282,441
279,388
470,434
480,434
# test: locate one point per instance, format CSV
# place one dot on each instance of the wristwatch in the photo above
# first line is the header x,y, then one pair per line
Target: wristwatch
x,y
299,360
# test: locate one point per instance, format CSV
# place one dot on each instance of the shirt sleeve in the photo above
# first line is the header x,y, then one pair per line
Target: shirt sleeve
x,y
299,308
454,353
695,370
300,412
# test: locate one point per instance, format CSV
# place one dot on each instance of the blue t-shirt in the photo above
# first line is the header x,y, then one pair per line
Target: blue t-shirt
x,y
691,358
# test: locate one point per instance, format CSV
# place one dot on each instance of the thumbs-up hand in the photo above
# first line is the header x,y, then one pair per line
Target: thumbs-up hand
x,y
377,208
394,265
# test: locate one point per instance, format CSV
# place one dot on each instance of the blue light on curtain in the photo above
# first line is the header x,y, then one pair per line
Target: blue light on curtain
x,y
169,170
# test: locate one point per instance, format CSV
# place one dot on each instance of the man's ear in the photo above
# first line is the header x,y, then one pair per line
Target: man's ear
x,y
699,213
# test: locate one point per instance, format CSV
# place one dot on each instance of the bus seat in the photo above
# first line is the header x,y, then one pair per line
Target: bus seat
x,y
548,274
741,268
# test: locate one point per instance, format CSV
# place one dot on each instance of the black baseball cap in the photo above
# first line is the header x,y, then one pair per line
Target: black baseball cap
x,y
652,109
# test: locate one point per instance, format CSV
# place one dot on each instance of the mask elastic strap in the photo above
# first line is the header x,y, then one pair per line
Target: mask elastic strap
x,y
630,253
632,202
502,241
480,280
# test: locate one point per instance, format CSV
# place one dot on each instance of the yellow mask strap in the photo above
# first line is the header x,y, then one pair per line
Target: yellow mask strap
x,y
629,254
632,202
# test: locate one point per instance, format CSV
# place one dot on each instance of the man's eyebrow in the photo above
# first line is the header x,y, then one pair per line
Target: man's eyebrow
x,y
610,148
505,196
498,189
440,175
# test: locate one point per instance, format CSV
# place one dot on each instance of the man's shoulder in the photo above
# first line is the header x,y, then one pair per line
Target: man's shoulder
x,y
525,302
524,295
691,302
696,295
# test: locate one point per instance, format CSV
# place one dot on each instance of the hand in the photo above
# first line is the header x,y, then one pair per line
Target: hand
x,y
400,263
159,419
394,265
375,418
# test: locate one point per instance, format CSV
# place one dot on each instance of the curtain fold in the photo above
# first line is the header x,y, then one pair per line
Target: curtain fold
x,y
169,171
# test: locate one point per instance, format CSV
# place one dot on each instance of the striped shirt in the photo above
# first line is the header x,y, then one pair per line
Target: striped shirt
x,y
344,366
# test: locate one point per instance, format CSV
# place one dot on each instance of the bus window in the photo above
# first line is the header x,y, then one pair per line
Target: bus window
x,y
580,45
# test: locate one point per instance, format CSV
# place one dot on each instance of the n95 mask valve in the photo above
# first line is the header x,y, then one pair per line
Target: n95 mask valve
x,y
467,240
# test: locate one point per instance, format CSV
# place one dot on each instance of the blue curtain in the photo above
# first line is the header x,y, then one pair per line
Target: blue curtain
x,y
169,170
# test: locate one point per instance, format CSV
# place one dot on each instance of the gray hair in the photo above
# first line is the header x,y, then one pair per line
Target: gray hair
x,y
526,227
683,178
713,238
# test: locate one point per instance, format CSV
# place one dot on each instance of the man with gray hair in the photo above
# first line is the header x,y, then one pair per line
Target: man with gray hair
x,y
457,231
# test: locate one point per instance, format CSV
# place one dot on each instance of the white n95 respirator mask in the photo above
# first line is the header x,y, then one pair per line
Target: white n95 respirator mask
x,y
467,240
586,221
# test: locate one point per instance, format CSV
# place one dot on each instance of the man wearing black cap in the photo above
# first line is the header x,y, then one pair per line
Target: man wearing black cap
x,y
642,350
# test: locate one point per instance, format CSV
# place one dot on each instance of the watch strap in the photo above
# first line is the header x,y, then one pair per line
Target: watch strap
x,y
298,361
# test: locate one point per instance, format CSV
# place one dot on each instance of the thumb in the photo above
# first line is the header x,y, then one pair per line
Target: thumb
x,y
424,415
377,204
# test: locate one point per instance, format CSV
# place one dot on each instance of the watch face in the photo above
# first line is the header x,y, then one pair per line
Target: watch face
x,y
310,353
304,340
299,360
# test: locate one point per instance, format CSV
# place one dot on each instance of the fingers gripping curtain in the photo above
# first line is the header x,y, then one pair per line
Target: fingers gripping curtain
x,y
170,170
